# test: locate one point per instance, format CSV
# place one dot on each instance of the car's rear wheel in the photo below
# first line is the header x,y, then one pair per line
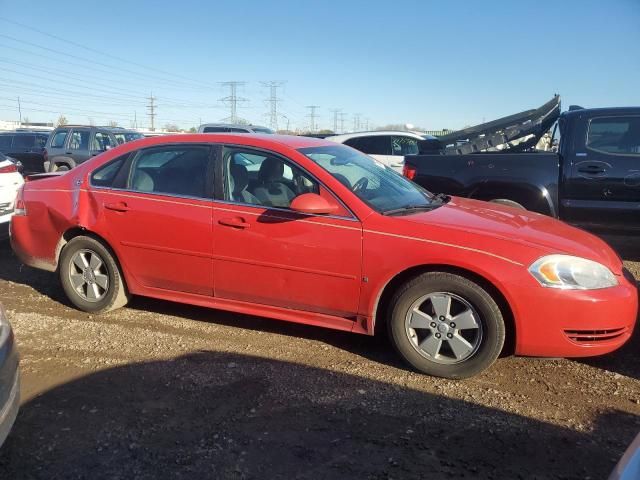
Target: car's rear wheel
x,y
90,276
446,325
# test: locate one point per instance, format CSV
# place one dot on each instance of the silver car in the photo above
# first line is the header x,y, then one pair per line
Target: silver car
x,y
9,377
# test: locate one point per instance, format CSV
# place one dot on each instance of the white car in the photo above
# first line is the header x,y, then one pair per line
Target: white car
x,y
10,181
388,147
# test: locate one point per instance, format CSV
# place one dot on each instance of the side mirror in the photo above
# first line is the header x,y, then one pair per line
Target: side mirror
x,y
312,203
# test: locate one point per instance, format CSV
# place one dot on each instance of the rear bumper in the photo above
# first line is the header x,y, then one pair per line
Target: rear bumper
x,y
562,323
24,243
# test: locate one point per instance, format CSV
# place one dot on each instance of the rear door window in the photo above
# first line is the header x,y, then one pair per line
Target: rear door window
x,y
175,170
373,145
79,140
404,145
59,139
101,142
615,135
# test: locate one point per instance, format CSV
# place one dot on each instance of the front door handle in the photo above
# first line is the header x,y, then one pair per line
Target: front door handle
x,y
234,222
117,207
591,169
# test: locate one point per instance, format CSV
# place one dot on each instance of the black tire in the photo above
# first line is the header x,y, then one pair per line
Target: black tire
x,y
490,336
114,296
508,203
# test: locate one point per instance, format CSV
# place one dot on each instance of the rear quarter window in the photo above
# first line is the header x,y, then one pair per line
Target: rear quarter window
x,y
24,141
5,142
105,175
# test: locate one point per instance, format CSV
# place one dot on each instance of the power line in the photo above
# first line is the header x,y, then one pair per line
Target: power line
x,y
273,102
312,115
107,54
232,100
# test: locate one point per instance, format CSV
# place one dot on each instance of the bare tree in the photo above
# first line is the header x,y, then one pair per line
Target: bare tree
x,y
171,127
62,120
113,123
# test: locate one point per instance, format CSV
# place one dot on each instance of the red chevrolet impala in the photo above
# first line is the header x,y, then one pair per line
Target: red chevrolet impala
x,y
308,231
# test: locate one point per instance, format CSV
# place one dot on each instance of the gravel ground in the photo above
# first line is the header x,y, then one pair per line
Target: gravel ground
x,y
161,390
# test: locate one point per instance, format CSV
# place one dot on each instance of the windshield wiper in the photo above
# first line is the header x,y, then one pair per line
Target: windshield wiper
x,y
442,197
412,208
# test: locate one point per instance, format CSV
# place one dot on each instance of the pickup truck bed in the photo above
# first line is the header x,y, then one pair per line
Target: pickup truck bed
x,y
529,179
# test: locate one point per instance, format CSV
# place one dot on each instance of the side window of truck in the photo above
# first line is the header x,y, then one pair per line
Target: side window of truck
x,y
616,135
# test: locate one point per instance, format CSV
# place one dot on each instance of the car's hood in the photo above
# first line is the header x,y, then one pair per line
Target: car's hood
x,y
478,222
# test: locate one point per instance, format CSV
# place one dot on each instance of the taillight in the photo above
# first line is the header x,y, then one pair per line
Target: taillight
x,y
9,169
409,171
20,208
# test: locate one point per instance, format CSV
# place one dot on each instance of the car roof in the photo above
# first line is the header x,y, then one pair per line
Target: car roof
x,y
230,125
375,133
257,140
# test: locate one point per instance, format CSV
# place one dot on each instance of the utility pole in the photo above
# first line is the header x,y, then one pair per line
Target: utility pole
x,y
232,100
342,115
273,101
336,112
356,122
312,116
19,113
152,112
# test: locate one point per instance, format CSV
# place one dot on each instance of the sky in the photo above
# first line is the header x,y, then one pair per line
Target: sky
x,y
434,64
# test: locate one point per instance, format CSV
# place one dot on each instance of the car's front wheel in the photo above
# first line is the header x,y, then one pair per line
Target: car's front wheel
x,y
90,276
446,325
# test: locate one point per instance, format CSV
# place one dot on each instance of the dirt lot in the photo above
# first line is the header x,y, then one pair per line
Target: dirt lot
x,y
160,390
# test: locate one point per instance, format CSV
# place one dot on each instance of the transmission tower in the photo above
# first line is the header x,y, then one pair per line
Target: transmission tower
x,y
273,102
336,112
152,111
232,100
312,116
342,115
356,122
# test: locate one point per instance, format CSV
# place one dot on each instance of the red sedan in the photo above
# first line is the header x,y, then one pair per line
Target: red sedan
x,y
308,231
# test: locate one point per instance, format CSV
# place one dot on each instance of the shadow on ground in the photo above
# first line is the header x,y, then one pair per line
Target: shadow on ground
x,y
220,415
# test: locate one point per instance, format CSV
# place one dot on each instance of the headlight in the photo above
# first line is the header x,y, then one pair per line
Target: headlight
x,y
572,273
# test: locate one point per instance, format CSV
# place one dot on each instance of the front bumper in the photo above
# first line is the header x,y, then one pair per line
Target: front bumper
x,y
574,323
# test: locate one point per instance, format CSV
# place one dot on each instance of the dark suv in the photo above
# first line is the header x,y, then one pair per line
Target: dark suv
x,y
28,147
71,145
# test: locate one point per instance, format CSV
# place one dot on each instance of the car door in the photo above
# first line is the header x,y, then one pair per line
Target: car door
x,y
158,215
78,145
267,254
376,146
603,189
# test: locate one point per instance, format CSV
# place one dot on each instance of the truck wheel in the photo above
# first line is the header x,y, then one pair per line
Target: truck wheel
x,y
508,203
91,277
445,325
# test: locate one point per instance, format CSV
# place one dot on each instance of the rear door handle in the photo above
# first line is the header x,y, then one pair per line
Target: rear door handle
x,y
117,207
234,222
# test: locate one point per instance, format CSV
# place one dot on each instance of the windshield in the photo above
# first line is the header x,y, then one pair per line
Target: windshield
x,y
376,184
123,137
